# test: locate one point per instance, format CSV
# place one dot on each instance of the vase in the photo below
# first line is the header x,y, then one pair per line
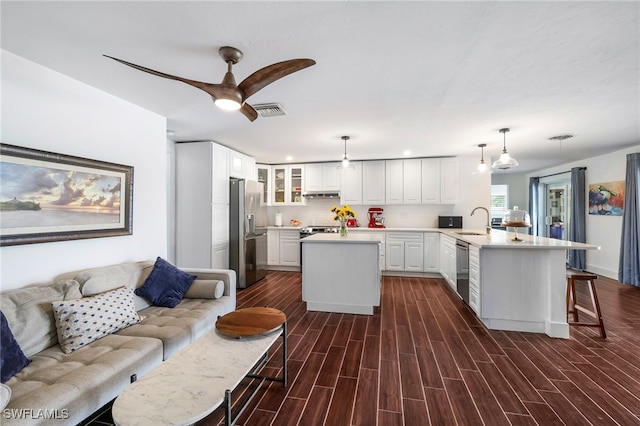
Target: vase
x,y
343,228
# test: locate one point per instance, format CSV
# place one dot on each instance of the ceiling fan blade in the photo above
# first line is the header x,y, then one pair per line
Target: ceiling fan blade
x,y
210,88
271,73
249,111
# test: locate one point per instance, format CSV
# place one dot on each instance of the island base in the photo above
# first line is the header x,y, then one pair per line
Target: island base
x,y
340,308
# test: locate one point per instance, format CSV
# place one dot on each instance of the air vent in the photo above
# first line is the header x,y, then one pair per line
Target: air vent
x,y
269,110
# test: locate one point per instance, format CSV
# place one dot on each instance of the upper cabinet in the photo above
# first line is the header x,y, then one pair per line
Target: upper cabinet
x,y
241,166
439,180
373,182
322,177
263,175
403,181
351,183
288,181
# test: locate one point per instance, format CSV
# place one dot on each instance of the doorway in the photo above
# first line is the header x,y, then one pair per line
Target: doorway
x,y
557,204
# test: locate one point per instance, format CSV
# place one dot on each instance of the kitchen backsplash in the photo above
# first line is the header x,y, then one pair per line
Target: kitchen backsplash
x,y
317,212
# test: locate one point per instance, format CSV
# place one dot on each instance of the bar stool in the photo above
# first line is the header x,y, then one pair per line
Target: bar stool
x,y
572,301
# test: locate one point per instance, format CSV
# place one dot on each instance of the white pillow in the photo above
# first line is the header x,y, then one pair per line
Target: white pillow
x,y
81,321
205,289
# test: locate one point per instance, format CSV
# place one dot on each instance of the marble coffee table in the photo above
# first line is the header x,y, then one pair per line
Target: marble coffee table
x,y
194,382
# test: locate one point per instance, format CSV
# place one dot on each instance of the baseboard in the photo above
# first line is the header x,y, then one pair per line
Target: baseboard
x,y
603,271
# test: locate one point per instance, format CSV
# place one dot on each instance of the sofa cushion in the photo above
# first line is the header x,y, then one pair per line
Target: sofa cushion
x,y
79,383
205,289
82,321
166,284
12,359
28,311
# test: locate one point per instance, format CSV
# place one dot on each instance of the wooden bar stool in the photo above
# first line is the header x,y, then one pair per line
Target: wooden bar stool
x,y
572,301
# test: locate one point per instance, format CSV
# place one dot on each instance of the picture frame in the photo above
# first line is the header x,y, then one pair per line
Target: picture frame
x,y
47,197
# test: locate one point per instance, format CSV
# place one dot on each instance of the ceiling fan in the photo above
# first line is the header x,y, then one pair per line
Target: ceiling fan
x,y
231,96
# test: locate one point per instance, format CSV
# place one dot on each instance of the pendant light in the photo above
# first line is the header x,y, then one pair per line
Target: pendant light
x,y
482,166
345,158
505,161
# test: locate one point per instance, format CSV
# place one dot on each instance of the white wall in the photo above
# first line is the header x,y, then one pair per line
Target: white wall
x,y
46,110
518,187
475,190
604,231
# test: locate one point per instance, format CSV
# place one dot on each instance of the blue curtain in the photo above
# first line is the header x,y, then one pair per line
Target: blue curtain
x,y
577,221
534,204
629,268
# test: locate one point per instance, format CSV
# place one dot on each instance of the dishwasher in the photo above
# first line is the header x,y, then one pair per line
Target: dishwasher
x,y
462,269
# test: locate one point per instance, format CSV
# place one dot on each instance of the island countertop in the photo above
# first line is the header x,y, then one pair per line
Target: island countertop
x,y
504,239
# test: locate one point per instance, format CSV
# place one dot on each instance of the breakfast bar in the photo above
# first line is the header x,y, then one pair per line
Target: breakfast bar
x,y
341,274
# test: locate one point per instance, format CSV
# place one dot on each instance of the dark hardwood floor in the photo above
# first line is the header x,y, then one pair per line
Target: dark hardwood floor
x,y
424,358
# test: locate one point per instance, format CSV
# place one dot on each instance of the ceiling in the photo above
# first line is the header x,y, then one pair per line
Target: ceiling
x,y
433,78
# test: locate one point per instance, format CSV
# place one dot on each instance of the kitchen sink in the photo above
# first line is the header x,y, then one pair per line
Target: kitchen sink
x,y
468,233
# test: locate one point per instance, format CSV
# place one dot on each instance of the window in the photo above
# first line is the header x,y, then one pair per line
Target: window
x,y
499,200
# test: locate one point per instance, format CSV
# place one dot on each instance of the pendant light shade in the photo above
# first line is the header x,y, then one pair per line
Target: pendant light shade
x,y
345,158
505,161
482,166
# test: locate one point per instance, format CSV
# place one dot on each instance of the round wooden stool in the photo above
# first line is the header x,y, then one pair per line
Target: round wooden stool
x,y
572,302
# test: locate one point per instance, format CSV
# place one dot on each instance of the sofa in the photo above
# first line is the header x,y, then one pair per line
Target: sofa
x,y
63,388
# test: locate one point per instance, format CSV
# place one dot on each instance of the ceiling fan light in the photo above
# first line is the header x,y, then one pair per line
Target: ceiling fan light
x,y
227,104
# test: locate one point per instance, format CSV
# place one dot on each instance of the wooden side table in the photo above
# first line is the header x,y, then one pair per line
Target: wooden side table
x,y
245,323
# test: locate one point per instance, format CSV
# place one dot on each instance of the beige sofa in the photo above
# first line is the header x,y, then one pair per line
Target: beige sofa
x,y
60,388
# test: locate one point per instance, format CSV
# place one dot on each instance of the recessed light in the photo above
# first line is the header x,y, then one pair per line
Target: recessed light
x,y
170,133
289,158
406,153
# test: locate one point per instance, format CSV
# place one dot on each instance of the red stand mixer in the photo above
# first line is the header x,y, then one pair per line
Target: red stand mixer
x,y
376,220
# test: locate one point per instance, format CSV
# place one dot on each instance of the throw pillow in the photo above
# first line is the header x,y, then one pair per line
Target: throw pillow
x,y
205,289
12,359
82,321
166,285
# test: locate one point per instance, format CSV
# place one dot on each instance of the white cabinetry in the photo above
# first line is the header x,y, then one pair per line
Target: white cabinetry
x,y
404,251
288,182
448,260
393,182
263,175
474,280
290,248
403,182
351,183
241,166
273,247
322,177
431,252
440,180
373,182
202,205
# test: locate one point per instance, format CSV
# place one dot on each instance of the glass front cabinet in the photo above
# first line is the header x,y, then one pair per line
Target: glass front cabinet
x,y
288,182
263,174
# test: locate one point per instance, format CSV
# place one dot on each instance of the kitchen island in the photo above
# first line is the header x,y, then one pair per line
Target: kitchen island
x,y
519,285
341,274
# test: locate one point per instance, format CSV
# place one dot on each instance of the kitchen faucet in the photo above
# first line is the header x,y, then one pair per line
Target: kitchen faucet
x,y
488,227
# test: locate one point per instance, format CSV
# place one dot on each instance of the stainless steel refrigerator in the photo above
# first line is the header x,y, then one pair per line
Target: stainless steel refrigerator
x,y
247,231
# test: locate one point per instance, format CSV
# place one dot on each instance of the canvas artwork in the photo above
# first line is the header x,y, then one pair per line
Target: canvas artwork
x,y
48,197
606,198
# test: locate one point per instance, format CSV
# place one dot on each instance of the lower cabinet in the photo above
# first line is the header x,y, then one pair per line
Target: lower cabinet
x,y
404,251
474,279
283,247
431,252
448,260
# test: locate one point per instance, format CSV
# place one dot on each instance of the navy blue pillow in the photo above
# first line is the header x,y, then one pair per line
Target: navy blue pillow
x,y
166,285
12,359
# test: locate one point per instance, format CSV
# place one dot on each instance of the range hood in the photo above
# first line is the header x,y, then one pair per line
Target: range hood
x,y
321,194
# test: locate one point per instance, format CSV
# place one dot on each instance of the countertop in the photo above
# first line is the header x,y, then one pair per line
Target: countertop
x,y
497,238
352,238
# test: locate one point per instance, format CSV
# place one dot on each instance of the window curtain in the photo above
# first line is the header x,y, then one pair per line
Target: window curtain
x,y
577,221
534,204
629,268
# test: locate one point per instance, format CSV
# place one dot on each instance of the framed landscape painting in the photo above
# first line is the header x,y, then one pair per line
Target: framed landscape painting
x,y
46,197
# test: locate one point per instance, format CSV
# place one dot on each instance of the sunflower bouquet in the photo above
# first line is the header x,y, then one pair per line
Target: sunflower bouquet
x,y
341,215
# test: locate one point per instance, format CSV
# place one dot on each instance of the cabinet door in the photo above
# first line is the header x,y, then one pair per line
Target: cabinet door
x,y
474,279
273,247
236,164
250,168
263,175
220,233
430,180
290,248
296,183
413,256
220,174
330,176
313,177
279,177
220,258
431,252
393,182
394,256
351,184
373,182
411,181
449,181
